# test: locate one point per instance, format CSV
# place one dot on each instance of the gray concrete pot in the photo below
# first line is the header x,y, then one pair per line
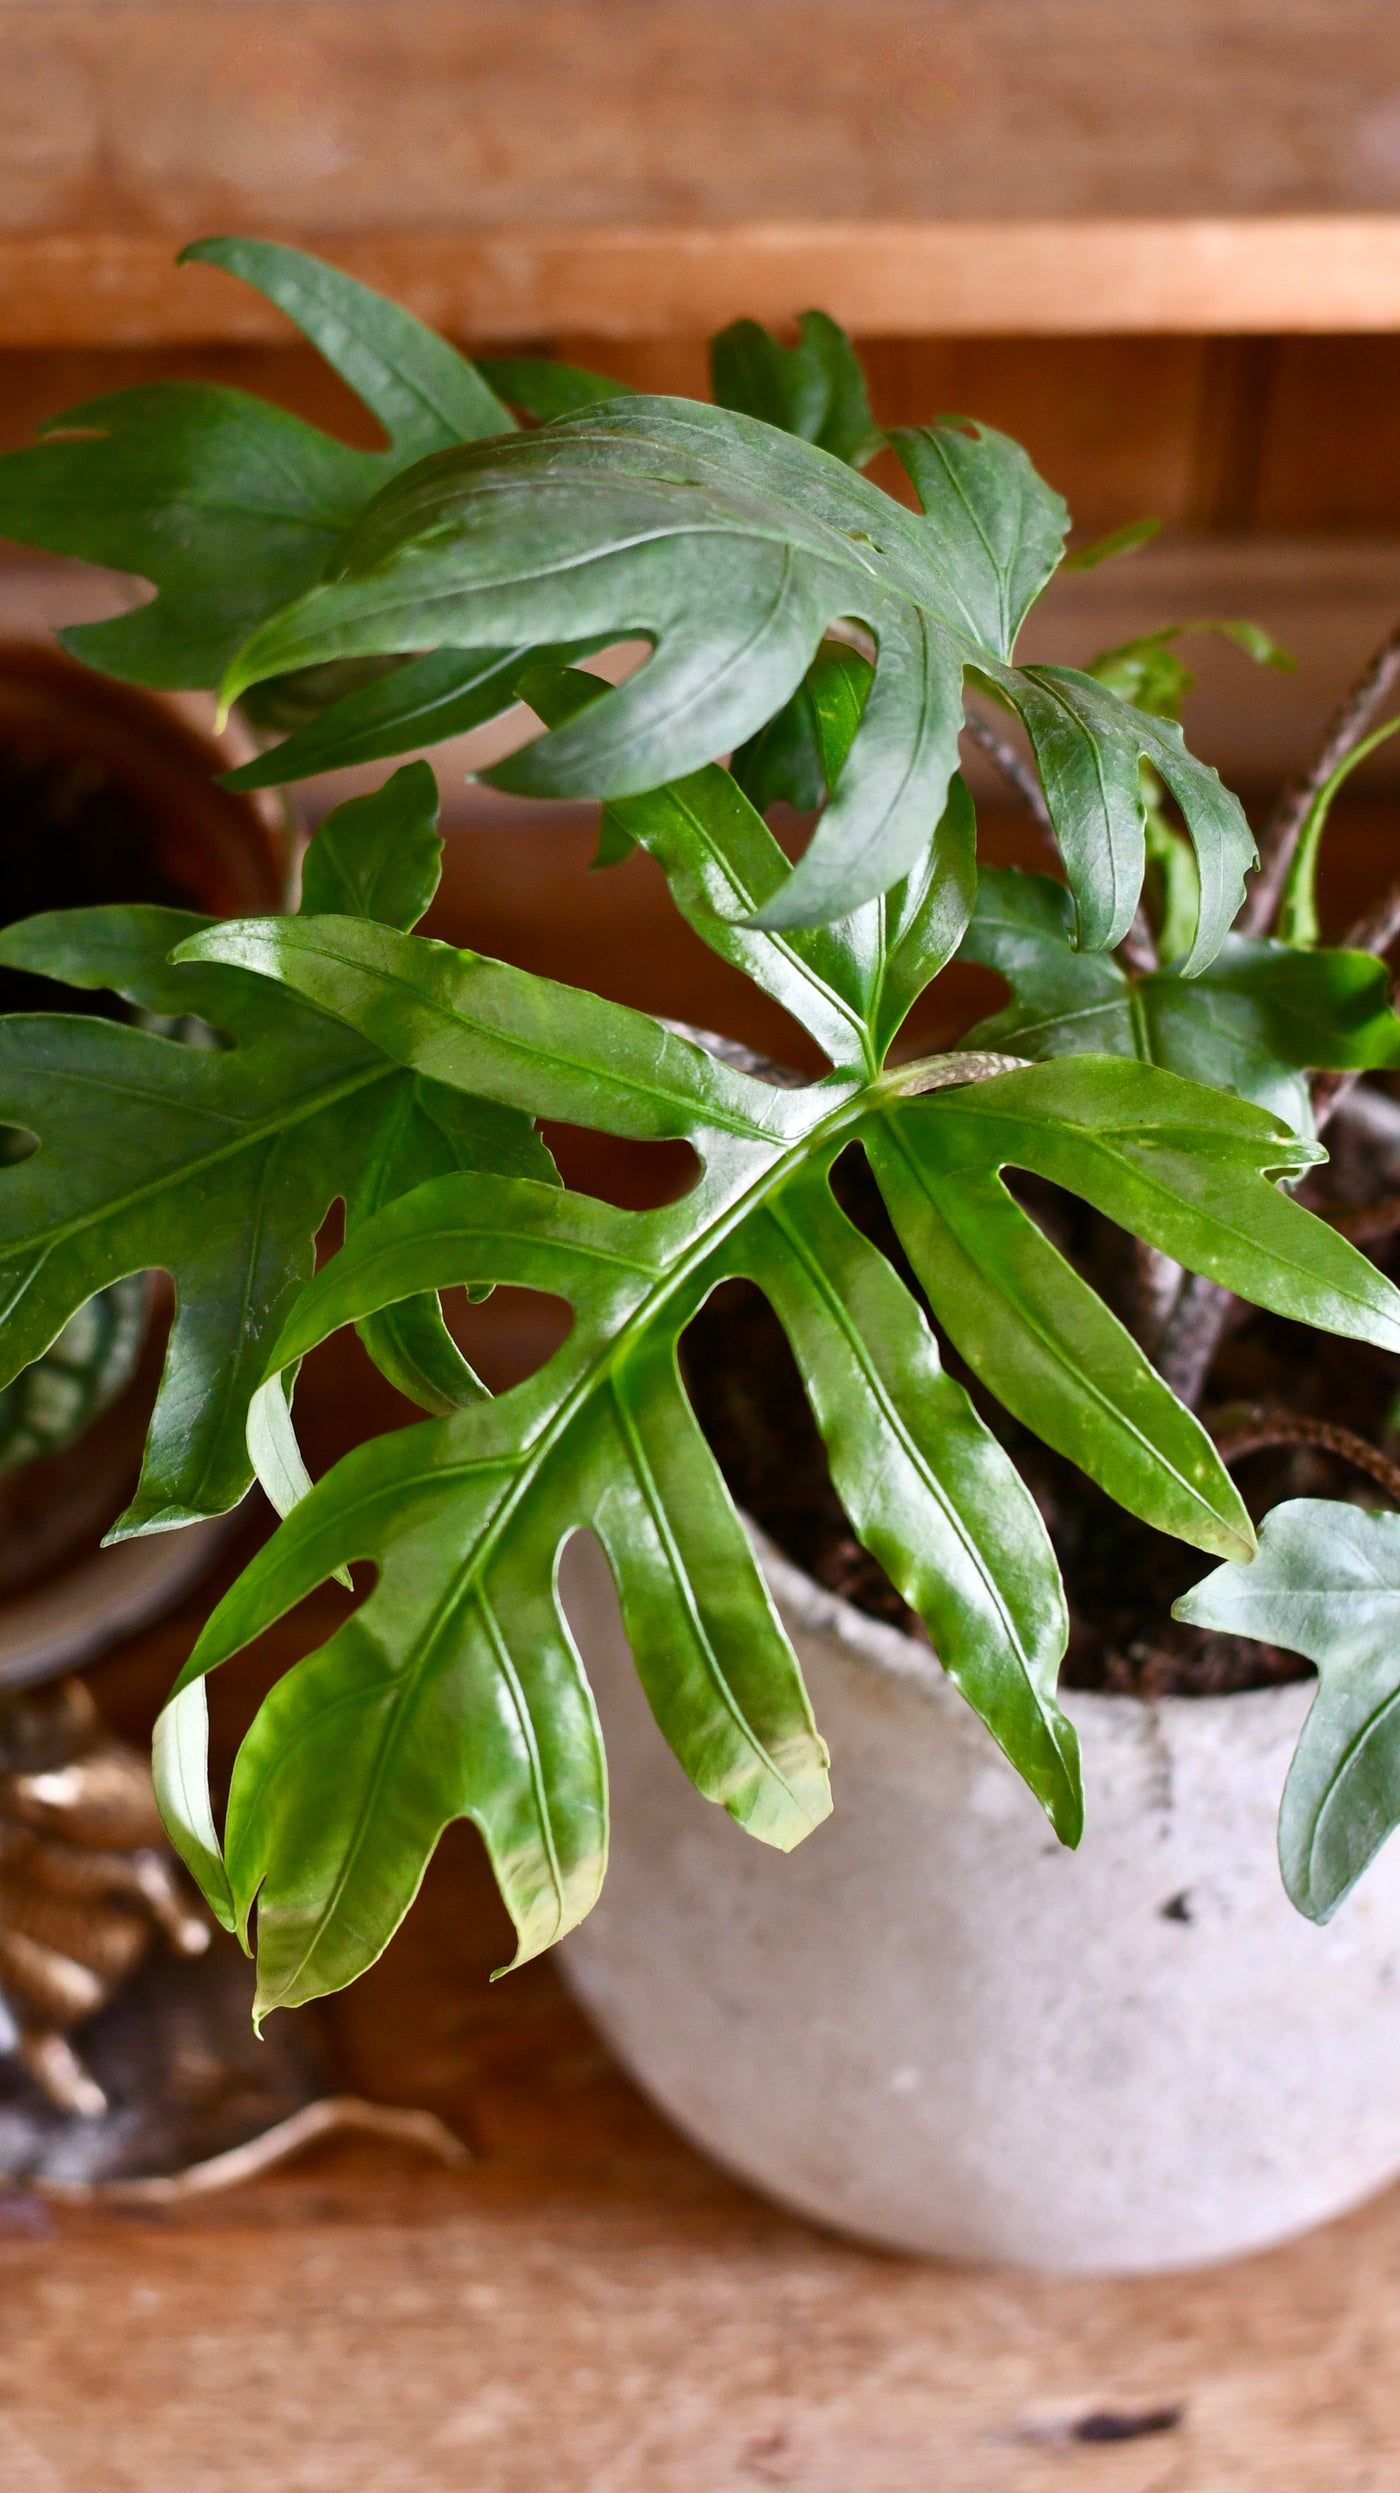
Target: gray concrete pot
x,y
932,2027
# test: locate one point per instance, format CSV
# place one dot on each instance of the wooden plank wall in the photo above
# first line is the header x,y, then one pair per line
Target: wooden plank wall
x,y
1230,435
365,116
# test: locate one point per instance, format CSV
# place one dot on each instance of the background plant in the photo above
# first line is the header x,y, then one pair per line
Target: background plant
x,y
1151,1062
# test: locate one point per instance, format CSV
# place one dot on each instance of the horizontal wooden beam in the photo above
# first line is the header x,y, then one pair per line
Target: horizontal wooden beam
x,y
1050,277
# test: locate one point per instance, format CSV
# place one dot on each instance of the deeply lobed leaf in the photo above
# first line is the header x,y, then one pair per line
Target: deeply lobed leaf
x,y
603,1437
218,1165
228,505
1253,1023
731,547
1326,1584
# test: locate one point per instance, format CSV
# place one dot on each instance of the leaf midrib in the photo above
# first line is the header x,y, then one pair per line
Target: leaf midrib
x,y
944,1211
283,1122
712,1114
840,1317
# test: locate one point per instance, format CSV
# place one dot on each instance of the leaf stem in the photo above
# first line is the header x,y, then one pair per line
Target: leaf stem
x,y
1238,1432
1191,1336
1003,756
1297,921
1286,824
1138,949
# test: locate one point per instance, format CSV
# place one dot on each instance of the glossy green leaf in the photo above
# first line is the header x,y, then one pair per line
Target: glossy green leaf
x,y
573,1055
378,856
731,547
426,395
217,1165
1039,1337
1252,1023
1087,744
850,984
815,389
1178,1166
602,1436
1326,1584
1184,1168
227,505
997,529
422,703
791,759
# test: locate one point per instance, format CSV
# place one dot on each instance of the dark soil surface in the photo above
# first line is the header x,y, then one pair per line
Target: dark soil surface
x,y
1121,1577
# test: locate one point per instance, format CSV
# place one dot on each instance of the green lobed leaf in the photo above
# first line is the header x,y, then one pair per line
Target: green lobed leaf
x,y
1326,1584
421,703
850,984
998,529
435,1008
815,389
426,395
1183,1168
227,505
602,1436
731,547
217,1165
378,856
787,761
1179,1166
1252,1023
1087,744
1039,1338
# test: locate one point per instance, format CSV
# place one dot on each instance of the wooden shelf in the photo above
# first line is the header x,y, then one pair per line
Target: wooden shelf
x,y
650,168
1040,277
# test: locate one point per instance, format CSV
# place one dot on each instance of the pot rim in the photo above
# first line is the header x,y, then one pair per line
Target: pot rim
x,y
910,1663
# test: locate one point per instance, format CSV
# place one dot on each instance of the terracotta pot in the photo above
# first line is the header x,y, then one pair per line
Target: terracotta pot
x,y
124,784
932,2027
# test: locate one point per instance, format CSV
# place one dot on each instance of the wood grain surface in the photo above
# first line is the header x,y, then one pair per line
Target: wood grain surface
x,y
651,167
592,2308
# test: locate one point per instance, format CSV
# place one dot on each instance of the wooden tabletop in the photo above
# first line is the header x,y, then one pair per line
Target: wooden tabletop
x,y
641,168
590,2307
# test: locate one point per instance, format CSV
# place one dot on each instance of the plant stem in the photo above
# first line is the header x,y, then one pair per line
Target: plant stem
x,y
1376,932
733,1052
1282,833
1138,949
1003,756
1191,1336
1244,1432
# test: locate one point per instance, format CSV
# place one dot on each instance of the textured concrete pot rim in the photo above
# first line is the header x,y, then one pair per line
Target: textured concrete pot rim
x,y
1251,1714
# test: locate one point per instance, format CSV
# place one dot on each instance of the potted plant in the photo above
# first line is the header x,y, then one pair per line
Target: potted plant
x,y
937,2024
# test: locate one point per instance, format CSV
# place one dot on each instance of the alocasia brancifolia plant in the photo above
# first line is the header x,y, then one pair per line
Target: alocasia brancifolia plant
x,y
1153,1064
